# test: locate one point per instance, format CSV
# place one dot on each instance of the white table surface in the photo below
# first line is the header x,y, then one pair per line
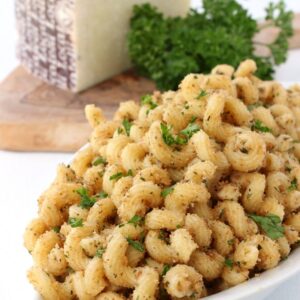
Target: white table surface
x,y
23,176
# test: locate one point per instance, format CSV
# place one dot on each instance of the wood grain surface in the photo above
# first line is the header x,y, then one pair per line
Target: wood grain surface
x,y
37,117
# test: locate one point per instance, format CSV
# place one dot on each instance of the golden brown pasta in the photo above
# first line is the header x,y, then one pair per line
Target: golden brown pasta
x,y
190,192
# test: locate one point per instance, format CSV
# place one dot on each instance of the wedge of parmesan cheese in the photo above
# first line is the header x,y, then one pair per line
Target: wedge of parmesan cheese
x,y
75,44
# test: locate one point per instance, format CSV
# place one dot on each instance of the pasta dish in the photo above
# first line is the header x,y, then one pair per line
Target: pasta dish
x,y
184,195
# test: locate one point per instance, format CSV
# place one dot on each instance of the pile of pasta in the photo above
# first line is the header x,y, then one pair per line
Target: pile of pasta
x,y
186,194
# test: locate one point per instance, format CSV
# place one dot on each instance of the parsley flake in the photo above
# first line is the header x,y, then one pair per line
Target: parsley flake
x,y
119,175
165,192
100,252
102,195
136,245
202,94
136,220
260,126
74,222
99,161
190,130
148,100
86,201
127,126
293,185
56,229
270,224
228,263
165,270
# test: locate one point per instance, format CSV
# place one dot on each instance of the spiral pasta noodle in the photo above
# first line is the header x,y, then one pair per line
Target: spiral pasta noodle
x,y
184,195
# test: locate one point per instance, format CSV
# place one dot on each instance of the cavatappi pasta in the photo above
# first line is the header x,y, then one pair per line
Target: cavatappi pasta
x,y
184,195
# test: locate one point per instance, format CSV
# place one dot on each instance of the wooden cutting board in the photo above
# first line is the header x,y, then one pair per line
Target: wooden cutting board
x,y
37,117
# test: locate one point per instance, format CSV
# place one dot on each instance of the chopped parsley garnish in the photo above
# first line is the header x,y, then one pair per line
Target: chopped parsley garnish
x,y
56,229
127,126
270,224
166,135
100,252
148,100
202,94
99,161
165,270
136,220
136,245
293,185
228,263
102,195
190,130
86,201
260,126
165,192
183,136
74,222
119,175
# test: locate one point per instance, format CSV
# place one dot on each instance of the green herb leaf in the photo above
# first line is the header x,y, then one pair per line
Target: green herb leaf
x,y
165,192
119,175
74,222
166,135
136,245
228,263
99,161
202,94
166,49
86,201
293,185
102,195
100,252
270,224
148,100
56,229
165,270
136,220
259,126
127,126
190,130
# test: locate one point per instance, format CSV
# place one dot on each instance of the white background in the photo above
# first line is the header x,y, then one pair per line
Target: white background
x,y
23,176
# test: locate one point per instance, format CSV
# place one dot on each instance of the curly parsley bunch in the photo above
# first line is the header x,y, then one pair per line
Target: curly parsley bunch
x,y
166,49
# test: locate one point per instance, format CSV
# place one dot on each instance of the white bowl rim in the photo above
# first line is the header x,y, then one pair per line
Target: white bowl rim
x,y
286,269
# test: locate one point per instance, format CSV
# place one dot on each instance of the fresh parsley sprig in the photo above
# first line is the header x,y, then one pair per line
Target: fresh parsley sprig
x,y
166,49
119,175
148,100
75,222
270,224
182,138
86,200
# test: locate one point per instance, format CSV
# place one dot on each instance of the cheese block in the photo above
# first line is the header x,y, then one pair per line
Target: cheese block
x,y
74,44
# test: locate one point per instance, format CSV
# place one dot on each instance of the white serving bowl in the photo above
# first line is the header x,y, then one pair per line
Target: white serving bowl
x,y
259,287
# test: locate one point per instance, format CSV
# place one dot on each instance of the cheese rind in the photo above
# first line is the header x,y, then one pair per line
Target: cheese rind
x,y
74,45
